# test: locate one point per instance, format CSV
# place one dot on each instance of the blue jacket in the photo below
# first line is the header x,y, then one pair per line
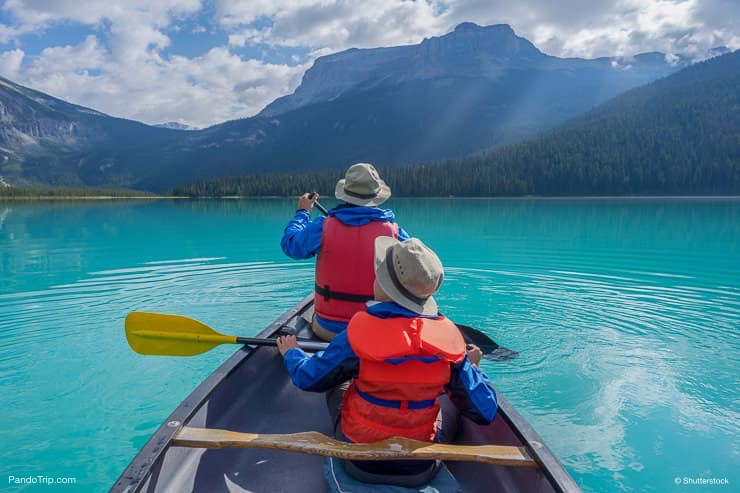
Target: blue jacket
x,y
469,388
302,237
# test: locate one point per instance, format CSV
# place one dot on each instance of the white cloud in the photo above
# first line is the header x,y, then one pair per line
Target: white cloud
x,y
584,28
239,40
334,24
87,55
123,69
130,78
201,91
41,12
638,25
10,63
12,33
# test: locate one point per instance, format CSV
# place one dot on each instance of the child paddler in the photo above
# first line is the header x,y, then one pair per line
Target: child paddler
x,y
400,356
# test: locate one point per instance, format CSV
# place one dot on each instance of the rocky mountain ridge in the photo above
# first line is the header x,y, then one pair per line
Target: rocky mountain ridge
x,y
468,51
446,97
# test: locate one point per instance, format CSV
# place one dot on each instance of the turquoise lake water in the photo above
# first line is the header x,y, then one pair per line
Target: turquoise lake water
x,y
626,314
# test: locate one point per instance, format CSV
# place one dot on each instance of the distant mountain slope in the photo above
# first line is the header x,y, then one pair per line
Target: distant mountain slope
x,y
44,140
469,51
678,135
449,96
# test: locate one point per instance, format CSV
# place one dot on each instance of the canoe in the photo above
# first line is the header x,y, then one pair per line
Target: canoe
x,y
252,392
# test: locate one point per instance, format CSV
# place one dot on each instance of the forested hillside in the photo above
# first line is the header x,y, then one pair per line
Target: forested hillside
x,y
677,136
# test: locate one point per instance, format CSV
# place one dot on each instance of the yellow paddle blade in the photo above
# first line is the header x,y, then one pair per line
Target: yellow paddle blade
x,y
171,335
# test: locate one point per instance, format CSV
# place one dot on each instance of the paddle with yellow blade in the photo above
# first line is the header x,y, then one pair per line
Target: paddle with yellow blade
x,y
175,335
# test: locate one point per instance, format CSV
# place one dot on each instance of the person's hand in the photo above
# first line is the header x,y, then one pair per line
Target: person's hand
x,y
307,201
286,343
474,354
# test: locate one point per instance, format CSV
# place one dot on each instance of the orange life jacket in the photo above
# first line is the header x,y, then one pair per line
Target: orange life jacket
x,y
345,270
404,366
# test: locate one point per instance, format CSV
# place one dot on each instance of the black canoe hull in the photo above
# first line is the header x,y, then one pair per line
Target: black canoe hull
x,y
252,392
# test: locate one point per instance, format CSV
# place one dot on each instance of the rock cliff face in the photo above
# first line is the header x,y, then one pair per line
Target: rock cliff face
x,y
29,120
474,51
49,141
470,51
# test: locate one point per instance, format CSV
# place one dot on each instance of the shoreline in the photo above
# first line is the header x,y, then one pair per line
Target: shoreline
x,y
272,197
87,197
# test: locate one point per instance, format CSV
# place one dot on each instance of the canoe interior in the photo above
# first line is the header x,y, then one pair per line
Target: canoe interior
x,y
254,394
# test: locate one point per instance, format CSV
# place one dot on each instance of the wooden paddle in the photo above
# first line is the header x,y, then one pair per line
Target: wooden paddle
x,y
313,442
175,335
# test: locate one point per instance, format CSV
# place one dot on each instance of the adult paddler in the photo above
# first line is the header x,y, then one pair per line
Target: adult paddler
x,y
344,242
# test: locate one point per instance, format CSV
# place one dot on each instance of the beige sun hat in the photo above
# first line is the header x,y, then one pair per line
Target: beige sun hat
x,y
409,273
362,185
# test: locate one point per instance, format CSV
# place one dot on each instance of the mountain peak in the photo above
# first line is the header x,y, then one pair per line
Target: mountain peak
x,y
467,26
488,45
473,27
469,51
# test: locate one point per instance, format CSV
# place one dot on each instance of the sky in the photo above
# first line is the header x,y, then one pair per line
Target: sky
x,y
202,62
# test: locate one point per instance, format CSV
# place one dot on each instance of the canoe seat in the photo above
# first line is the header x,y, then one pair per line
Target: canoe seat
x,y
341,482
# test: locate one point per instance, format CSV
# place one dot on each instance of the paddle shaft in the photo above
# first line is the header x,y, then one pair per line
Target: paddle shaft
x,y
311,346
175,335
312,442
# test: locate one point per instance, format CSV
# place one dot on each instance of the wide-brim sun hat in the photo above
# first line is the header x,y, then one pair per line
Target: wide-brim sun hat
x,y
409,273
362,185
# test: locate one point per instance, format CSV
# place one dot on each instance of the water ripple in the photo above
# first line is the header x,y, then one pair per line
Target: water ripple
x,y
625,315
598,349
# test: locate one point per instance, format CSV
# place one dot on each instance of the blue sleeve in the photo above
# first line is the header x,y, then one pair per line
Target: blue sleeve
x,y
326,369
302,238
402,234
471,392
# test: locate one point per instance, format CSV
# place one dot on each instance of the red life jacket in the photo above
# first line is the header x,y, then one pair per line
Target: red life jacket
x,y
404,366
345,270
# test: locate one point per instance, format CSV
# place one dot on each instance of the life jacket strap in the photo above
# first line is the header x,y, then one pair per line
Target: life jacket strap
x,y
326,293
395,404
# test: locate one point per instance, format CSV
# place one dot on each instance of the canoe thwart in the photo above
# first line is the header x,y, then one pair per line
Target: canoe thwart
x,y
396,448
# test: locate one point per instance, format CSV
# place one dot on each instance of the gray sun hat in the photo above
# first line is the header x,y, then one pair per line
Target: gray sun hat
x,y
409,273
362,185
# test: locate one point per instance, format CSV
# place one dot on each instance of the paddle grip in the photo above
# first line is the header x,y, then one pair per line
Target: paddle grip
x,y
318,206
